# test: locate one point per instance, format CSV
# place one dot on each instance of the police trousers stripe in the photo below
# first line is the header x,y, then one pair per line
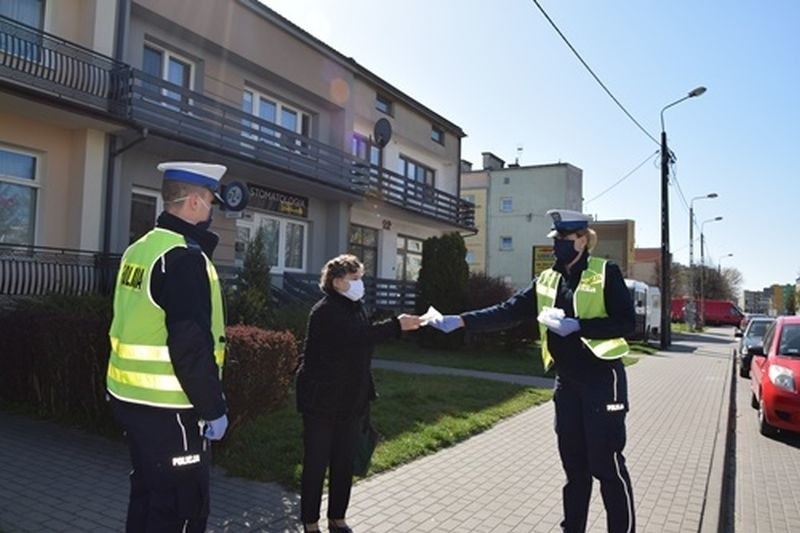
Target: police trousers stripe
x,y
183,432
614,372
627,489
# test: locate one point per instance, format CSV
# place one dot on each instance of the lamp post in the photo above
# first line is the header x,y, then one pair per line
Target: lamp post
x,y
719,263
702,316
666,300
692,304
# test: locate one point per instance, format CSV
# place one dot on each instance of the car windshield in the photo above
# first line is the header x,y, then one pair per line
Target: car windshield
x,y
758,328
790,340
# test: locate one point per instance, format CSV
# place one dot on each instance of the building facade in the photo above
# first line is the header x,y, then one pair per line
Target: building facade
x,y
511,202
94,93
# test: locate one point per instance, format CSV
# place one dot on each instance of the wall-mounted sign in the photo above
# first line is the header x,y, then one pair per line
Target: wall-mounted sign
x,y
543,259
278,201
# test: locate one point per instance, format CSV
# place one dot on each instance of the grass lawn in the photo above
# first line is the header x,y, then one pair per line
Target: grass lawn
x,y
526,361
416,415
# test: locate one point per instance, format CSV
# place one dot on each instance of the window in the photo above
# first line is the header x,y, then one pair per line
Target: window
x,y
506,244
506,205
417,171
437,135
30,12
18,195
364,245
363,148
285,241
146,204
506,181
170,67
275,112
383,104
409,258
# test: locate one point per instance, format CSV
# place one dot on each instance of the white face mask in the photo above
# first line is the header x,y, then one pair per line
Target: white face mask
x,y
355,291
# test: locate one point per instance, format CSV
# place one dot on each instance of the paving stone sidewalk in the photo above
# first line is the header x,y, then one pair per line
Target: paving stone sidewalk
x,y
507,479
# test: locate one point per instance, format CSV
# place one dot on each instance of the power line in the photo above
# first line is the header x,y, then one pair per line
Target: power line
x,y
574,51
623,178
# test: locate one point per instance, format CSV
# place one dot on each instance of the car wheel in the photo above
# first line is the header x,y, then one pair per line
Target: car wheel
x,y
763,426
753,400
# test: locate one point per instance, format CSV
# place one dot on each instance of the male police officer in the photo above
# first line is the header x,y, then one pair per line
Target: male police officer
x,y
167,352
584,311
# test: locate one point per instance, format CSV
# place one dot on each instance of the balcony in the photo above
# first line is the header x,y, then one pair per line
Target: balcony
x,y
36,63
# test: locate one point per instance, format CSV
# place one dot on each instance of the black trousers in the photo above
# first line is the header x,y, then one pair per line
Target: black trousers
x,y
590,424
327,442
171,462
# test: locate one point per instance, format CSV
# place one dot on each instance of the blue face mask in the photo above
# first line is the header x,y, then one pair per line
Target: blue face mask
x,y
564,250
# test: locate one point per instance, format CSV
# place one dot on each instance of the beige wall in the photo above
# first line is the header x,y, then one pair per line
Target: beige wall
x,y
476,187
71,169
90,23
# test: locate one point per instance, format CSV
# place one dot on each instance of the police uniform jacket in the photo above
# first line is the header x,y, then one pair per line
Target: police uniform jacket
x,y
180,286
334,378
573,360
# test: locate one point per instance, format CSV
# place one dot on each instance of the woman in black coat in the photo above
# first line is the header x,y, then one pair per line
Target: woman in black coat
x,y
334,387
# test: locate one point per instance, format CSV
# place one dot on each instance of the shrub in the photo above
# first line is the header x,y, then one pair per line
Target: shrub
x,y
55,355
485,291
259,370
442,283
292,318
248,298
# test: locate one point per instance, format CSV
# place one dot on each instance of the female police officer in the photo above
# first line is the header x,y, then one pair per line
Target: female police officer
x,y
586,345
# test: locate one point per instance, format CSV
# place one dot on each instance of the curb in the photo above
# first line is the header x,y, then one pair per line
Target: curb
x,y
717,514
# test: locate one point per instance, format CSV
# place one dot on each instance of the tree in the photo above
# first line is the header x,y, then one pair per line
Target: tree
x,y
248,300
791,302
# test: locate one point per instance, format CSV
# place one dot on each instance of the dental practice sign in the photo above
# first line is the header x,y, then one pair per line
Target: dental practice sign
x,y
277,201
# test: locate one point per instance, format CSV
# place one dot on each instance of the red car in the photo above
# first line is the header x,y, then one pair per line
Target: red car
x,y
774,374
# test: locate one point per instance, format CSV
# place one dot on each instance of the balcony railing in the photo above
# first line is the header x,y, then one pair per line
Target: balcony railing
x,y
38,270
35,60
379,293
31,58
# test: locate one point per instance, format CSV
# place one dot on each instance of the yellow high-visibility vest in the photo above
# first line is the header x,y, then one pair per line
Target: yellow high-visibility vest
x,y
588,302
140,369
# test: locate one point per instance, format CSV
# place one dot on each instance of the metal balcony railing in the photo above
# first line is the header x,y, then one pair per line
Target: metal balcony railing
x,y
34,60
37,270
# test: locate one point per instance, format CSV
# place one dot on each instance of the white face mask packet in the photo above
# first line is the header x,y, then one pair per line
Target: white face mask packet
x,y
551,316
431,314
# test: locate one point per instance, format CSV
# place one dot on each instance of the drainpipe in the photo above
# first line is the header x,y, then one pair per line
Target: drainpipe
x,y
122,22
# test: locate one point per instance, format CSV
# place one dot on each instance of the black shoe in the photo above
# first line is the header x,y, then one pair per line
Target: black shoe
x,y
332,528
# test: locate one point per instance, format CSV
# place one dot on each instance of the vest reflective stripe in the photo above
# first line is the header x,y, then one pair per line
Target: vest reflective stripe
x,y
588,302
140,369
139,351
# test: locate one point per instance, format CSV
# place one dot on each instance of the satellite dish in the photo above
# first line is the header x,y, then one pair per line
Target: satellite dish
x,y
382,133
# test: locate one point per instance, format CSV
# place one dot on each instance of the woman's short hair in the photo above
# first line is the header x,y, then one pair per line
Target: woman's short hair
x,y
591,237
338,267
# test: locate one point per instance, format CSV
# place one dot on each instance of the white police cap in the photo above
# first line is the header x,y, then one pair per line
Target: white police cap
x,y
566,221
202,174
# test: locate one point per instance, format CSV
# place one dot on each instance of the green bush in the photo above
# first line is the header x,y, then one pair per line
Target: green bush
x,y
485,291
248,299
258,371
443,283
293,318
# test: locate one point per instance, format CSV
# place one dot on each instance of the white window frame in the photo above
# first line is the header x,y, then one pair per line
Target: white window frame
x,y
510,247
35,184
506,204
166,55
254,223
152,193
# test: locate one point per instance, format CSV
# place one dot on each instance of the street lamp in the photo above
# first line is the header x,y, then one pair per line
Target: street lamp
x,y
719,263
666,300
692,306
703,270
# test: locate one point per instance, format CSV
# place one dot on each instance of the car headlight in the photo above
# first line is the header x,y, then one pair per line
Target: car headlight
x,y
782,377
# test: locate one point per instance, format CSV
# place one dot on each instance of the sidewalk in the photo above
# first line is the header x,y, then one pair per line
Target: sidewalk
x,y
506,479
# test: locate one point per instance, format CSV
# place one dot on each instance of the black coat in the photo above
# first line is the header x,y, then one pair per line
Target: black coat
x,y
334,378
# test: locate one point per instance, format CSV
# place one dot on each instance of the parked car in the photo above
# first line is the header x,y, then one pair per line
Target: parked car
x,y
753,336
746,318
647,308
774,371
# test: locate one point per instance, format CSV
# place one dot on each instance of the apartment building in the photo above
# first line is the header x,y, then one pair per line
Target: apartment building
x,y
510,205
94,93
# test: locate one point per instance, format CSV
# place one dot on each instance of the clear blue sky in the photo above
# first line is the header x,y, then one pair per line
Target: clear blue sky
x,y
500,71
